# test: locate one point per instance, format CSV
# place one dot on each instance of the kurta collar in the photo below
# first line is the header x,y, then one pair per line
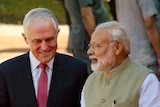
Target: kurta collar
x,y
114,72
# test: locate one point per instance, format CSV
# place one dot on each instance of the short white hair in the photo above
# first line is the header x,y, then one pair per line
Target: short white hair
x,y
39,13
117,33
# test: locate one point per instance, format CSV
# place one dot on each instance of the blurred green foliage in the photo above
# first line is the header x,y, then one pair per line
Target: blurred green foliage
x,y
13,11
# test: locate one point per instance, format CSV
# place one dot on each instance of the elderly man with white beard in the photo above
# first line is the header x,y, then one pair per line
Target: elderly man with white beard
x,y
116,80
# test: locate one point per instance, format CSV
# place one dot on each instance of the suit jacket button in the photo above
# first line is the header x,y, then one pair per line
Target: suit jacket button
x,y
103,100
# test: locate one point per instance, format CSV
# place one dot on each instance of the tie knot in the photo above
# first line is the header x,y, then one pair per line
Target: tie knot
x,y
43,66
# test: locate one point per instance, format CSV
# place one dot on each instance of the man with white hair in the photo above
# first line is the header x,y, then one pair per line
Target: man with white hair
x,y
41,77
116,80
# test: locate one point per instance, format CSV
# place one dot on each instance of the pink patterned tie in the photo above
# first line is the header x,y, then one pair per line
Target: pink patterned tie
x,y
42,87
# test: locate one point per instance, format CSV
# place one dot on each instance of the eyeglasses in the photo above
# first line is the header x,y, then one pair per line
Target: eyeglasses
x,y
96,45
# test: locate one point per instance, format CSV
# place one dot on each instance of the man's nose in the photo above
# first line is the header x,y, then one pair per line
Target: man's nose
x,y
44,45
90,51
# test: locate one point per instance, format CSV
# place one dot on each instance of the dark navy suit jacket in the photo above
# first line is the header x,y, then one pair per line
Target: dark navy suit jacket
x,y
16,83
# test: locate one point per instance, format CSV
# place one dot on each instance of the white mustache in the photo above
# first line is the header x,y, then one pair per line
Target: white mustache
x,y
92,57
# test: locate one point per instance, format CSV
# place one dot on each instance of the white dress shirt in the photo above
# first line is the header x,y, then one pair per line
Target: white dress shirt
x,y
149,93
36,71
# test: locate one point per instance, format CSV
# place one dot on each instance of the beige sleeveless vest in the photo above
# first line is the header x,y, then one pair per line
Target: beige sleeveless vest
x,y
119,88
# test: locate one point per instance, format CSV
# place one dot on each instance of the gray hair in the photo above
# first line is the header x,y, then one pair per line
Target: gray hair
x,y
39,13
117,33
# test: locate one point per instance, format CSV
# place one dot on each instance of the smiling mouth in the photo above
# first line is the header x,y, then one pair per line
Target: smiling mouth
x,y
93,59
44,54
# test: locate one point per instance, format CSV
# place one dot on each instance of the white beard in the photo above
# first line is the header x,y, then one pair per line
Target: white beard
x,y
105,63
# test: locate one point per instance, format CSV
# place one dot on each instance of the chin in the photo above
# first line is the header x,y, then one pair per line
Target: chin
x,y
99,67
95,68
45,60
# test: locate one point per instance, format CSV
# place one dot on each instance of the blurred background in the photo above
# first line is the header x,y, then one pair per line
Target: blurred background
x,y
13,11
11,16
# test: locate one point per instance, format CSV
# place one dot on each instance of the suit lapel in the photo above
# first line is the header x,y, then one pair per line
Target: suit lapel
x,y
58,76
27,84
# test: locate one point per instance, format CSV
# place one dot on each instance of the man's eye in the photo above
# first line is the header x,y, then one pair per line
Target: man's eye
x,y
36,41
50,39
94,46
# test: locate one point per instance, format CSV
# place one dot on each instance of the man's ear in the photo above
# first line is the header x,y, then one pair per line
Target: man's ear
x,y
25,38
58,32
118,47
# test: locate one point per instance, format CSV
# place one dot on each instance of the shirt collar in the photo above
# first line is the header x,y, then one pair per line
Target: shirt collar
x,y
35,62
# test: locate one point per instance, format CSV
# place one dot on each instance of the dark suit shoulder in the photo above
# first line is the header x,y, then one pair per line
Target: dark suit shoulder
x,y
69,59
15,62
70,64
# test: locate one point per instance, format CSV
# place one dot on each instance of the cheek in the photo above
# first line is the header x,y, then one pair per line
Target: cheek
x,y
52,44
102,61
105,57
100,53
34,47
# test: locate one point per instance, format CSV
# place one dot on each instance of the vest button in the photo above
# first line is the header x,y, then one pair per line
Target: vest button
x,y
103,100
107,82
